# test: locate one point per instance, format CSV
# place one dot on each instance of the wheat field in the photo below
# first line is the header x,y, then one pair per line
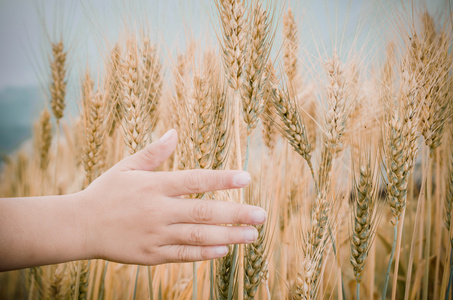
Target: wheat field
x,y
351,155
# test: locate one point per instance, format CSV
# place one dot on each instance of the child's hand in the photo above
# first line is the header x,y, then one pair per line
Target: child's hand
x,y
133,215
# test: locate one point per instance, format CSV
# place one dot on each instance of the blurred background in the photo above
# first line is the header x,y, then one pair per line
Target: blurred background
x,y
27,26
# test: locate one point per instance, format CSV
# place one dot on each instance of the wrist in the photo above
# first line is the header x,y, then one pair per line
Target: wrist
x,y
82,224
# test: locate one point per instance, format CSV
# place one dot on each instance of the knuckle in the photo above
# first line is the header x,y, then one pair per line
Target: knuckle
x,y
194,182
202,211
204,253
197,236
150,154
182,254
237,214
234,235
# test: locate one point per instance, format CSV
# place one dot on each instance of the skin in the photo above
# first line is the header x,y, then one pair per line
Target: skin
x,y
130,215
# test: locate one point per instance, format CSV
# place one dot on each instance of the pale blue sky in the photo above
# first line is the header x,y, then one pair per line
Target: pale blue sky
x,y
23,43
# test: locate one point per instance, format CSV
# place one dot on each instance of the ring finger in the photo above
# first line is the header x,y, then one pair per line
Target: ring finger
x,y
206,235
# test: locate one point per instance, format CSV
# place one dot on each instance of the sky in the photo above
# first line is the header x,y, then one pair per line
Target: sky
x,y
89,26
85,24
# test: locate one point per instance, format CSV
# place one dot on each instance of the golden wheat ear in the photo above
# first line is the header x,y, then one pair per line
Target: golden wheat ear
x,y
258,254
364,214
291,126
151,79
260,36
290,48
58,80
43,139
135,123
234,42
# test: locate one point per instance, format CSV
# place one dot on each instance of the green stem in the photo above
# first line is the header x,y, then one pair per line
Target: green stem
x,y
57,138
101,293
211,280
150,284
246,161
194,281
389,266
357,290
135,284
428,226
334,248
447,294
232,271
76,293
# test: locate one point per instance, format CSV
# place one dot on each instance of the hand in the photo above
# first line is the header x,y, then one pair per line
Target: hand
x,y
133,215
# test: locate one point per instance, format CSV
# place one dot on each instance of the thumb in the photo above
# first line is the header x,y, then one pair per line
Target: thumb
x,y
152,155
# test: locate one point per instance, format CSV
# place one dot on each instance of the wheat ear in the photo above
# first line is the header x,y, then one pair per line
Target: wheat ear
x,y
152,78
364,220
315,240
135,123
337,91
260,43
222,130
113,87
94,136
43,139
58,80
231,15
290,48
292,128
269,115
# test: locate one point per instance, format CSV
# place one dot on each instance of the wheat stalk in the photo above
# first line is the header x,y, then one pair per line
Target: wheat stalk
x,y
448,202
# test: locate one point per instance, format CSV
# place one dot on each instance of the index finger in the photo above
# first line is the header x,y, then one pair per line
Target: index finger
x,y
198,181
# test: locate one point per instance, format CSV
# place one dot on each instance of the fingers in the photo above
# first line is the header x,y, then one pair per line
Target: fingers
x,y
211,235
215,212
201,181
182,253
153,155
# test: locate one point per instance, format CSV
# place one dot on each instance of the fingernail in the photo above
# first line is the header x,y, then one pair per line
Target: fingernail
x,y
250,234
241,179
221,250
167,136
258,216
